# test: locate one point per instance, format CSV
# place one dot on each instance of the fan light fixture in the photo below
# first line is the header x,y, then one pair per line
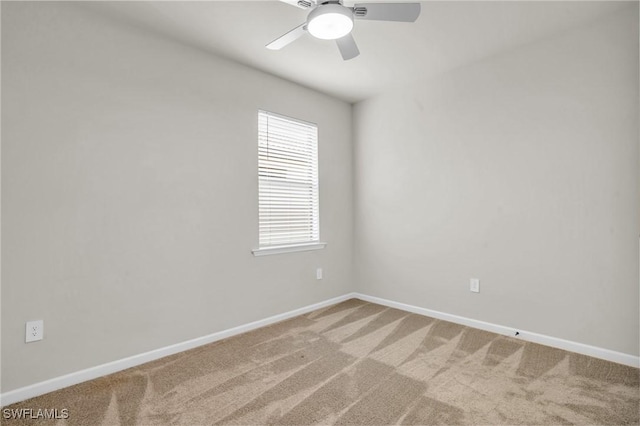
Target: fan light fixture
x,y
330,21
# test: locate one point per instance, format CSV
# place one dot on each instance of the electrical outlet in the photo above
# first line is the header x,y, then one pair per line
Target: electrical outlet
x,y
474,285
319,274
34,331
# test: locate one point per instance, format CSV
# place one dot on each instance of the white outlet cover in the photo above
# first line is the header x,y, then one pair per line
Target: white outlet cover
x,y
34,331
474,285
319,273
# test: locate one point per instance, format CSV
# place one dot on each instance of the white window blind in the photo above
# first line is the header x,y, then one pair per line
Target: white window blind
x,y
287,181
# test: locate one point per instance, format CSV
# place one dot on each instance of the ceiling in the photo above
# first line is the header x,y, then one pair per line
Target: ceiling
x,y
447,35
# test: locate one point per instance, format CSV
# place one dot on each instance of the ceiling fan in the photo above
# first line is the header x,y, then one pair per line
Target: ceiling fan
x,y
330,20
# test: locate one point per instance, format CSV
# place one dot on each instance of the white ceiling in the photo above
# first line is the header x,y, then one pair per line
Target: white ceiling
x,y
447,34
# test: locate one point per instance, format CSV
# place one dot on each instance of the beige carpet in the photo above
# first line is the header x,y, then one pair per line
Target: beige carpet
x,y
358,363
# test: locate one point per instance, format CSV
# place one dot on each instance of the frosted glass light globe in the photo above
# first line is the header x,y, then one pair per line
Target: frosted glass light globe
x,y
330,22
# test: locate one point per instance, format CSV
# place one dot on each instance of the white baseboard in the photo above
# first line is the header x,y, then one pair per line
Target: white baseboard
x,y
606,354
56,383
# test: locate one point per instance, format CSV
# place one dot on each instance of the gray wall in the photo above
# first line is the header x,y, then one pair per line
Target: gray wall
x,y
520,170
129,189
129,186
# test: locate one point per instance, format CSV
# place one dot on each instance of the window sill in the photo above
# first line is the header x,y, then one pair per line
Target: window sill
x,y
264,251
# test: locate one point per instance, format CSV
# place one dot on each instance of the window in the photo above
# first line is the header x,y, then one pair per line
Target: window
x,y
288,204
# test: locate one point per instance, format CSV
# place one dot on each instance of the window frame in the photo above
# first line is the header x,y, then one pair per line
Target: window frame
x,y
288,247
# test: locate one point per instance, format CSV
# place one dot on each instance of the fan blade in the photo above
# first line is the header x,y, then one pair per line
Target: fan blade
x,y
399,12
302,4
348,47
287,38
